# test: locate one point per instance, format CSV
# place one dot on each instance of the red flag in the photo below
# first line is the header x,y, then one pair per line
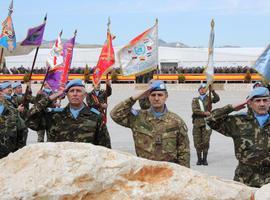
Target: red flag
x,y
106,60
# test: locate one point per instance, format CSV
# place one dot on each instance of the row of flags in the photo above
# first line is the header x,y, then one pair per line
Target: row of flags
x,y
139,56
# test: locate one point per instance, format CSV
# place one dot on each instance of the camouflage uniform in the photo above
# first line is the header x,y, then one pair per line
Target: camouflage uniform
x,y
13,132
251,144
201,132
62,126
41,133
101,97
163,139
144,103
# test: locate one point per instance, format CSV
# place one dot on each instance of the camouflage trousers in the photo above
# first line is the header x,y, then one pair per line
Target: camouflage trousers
x,y
41,135
253,176
201,138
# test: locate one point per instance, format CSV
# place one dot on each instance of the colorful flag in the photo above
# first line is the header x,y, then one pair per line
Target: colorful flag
x,y
55,58
106,59
141,54
262,64
58,74
7,37
34,36
209,71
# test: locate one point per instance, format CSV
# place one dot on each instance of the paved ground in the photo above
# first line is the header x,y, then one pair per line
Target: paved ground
x,y
221,154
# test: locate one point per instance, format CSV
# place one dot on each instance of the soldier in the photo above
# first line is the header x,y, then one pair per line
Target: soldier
x,y
251,136
201,131
18,98
158,133
13,132
75,123
46,92
97,98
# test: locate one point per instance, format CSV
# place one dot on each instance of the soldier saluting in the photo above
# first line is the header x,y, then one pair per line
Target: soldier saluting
x,y
251,136
158,133
75,123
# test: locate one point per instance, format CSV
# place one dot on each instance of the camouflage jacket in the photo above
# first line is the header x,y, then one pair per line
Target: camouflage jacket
x,y
163,139
197,114
251,142
62,126
13,132
90,98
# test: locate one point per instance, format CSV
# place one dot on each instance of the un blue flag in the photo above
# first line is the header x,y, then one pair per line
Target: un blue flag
x,y
262,64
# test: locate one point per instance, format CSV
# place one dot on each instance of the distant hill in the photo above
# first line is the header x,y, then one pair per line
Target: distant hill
x,y
162,43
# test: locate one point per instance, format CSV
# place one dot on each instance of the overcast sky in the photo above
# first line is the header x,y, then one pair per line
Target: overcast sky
x,y
238,22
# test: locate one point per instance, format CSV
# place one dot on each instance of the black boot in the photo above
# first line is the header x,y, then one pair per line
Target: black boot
x,y
204,161
199,155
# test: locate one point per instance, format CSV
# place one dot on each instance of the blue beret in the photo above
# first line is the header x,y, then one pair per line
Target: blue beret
x,y
74,82
258,92
202,85
5,85
158,85
16,84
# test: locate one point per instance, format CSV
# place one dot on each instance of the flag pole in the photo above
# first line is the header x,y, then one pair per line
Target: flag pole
x,y
210,51
158,70
107,77
1,58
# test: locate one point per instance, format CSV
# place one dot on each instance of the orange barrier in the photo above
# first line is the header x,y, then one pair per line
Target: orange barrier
x,y
166,77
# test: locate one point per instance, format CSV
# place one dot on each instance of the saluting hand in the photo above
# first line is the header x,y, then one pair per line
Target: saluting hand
x,y
240,106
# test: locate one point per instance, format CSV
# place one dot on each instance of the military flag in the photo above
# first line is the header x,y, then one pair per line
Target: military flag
x,y
35,35
209,71
262,64
106,59
7,37
59,62
141,54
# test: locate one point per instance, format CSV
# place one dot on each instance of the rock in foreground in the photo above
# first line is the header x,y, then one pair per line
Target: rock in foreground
x,y
263,193
84,171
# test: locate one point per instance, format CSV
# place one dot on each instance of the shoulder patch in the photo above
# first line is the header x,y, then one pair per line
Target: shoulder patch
x,y
55,109
134,112
95,111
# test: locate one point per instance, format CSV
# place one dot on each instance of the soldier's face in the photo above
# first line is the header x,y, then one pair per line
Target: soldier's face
x,y
260,105
157,99
76,96
18,90
7,91
202,91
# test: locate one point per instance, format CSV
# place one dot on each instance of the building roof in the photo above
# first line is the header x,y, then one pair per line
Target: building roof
x,y
186,57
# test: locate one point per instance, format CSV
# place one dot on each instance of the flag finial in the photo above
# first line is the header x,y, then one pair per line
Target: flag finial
x,y
108,24
75,32
212,23
10,9
61,32
156,20
45,18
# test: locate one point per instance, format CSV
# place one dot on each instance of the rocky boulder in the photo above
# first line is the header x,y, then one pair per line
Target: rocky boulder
x,y
263,193
59,171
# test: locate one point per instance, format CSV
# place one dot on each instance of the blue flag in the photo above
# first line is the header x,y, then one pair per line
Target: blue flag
x,y
262,64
